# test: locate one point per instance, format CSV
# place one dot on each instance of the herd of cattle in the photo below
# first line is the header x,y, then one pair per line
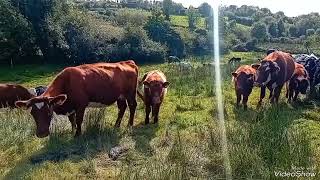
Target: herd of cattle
x,y
102,84
89,85
297,72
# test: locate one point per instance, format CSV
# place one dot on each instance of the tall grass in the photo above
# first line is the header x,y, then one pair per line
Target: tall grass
x,y
186,144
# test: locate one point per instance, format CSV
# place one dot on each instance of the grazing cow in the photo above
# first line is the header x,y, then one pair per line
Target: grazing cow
x,y
243,79
10,93
273,72
155,87
76,88
271,51
298,83
234,60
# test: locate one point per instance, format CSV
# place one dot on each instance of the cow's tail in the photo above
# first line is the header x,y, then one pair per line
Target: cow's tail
x,y
140,95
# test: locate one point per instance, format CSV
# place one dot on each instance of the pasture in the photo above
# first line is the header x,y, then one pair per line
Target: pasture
x,y
184,145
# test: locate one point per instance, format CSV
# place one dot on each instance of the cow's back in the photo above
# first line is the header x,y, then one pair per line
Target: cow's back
x,y
9,93
100,82
286,63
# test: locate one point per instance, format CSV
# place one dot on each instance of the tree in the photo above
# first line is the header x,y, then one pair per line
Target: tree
x,y
281,28
193,17
310,32
293,31
167,8
259,31
273,29
159,30
205,9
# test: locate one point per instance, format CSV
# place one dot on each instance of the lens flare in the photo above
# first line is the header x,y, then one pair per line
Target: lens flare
x,y
222,127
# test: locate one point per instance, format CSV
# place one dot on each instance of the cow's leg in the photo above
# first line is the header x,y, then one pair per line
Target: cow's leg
x,y
122,106
79,119
245,101
276,94
155,112
72,119
262,95
296,93
148,110
290,94
132,102
238,98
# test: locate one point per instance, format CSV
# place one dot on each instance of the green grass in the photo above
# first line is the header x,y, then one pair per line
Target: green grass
x,y
182,21
186,144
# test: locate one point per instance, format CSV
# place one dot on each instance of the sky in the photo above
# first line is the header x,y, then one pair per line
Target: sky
x,y
289,7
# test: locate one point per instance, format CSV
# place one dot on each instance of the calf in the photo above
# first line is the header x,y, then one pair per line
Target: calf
x,y
273,72
10,93
298,83
155,87
75,88
243,79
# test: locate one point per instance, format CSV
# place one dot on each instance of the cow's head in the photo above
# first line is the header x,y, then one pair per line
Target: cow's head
x,y
156,89
266,71
243,81
41,108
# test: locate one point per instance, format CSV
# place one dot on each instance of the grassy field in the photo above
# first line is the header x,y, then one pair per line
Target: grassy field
x,y
186,144
182,21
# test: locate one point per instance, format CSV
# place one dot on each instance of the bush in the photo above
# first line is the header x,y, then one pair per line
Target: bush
x,y
310,32
17,40
131,16
159,30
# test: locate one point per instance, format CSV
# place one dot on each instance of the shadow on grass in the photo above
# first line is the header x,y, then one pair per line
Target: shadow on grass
x,y
271,132
63,146
143,134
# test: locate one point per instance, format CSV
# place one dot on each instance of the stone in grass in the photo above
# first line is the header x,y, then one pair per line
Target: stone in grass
x,y
117,151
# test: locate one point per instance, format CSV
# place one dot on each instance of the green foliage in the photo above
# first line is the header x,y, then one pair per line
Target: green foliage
x,y
160,31
259,31
17,40
131,16
273,29
167,8
193,17
281,28
205,9
310,32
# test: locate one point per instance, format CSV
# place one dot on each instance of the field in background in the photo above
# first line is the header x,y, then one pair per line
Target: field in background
x,y
185,144
182,21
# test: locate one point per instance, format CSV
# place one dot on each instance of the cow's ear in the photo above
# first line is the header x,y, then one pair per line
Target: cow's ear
x,y
22,104
255,66
234,74
276,67
57,100
166,84
146,84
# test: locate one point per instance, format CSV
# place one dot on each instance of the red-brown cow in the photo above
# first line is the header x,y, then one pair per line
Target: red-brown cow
x,y
76,88
155,87
243,79
273,72
10,93
298,83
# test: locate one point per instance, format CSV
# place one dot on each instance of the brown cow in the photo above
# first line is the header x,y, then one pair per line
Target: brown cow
x,y
243,79
155,87
10,93
76,88
298,83
273,72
